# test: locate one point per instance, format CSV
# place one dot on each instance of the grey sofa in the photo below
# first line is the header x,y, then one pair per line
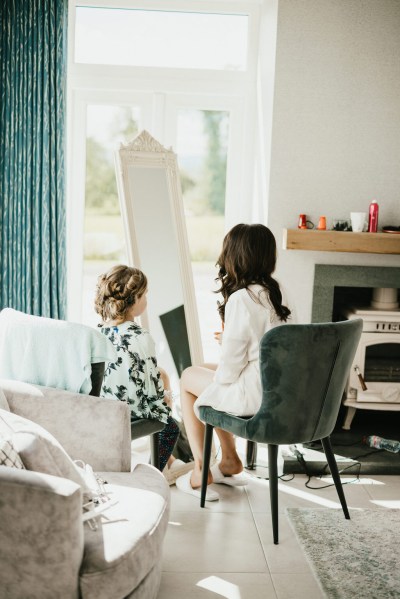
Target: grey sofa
x,y
46,551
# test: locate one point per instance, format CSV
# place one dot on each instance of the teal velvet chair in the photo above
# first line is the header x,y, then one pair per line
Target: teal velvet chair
x,y
303,371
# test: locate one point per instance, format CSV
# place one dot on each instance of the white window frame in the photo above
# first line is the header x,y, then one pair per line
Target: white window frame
x,y
160,92
235,175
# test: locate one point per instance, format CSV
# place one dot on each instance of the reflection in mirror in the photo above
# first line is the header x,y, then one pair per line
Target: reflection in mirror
x,y
152,211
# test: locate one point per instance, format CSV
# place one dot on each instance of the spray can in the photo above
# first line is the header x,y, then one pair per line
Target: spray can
x,y
373,217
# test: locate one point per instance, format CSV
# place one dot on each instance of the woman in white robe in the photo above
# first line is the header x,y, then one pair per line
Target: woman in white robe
x,y
252,304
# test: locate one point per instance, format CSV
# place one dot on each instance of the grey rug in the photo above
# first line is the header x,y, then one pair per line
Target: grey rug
x,y
355,558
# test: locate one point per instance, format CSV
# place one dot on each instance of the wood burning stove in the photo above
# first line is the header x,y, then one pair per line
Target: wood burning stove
x,y
374,380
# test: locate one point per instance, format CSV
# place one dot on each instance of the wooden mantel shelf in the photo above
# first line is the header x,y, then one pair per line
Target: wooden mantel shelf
x,y
341,241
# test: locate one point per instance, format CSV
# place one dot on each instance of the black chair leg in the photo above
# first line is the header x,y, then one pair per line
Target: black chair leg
x,y
251,455
273,488
155,450
208,435
330,457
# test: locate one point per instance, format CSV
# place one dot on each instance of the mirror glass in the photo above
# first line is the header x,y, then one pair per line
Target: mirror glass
x,y
152,212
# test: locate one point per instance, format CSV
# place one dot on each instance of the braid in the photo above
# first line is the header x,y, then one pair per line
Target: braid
x,y
117,290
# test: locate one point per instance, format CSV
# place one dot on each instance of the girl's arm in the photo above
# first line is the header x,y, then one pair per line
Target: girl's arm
x,y
163,383
235,340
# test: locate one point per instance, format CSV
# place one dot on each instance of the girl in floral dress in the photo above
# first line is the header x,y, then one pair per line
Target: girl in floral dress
x,y
135,377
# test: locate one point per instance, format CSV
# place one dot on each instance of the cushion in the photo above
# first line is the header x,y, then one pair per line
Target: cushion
x,y
127,545
3,401
8,455
38,449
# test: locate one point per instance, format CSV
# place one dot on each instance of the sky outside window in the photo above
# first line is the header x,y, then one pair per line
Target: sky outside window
x,y
160,39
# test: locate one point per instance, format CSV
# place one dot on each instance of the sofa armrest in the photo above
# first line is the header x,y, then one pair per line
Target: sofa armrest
x,y
92,429
41,532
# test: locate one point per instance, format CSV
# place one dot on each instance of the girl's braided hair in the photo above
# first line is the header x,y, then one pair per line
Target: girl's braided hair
x,y
117,290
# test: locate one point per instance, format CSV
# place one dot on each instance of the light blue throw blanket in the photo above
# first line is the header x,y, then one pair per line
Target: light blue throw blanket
x,y
49,352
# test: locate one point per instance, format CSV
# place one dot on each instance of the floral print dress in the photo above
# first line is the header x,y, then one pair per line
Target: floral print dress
x,y
134,377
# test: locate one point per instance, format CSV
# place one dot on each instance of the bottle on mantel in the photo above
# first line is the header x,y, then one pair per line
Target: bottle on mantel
x,y
373,217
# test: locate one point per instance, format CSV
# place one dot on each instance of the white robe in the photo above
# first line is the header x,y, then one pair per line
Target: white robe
x,y
237,386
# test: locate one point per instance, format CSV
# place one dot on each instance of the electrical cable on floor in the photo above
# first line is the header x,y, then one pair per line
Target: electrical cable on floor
x,y
347,482
303,463
346,444
364,455
285,480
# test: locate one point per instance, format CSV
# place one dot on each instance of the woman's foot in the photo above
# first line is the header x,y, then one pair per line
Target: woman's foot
x,y
230,466
175,469
184,484
227,467
196,478
234,480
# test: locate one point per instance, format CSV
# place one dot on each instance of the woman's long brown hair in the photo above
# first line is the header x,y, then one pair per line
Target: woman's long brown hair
x,y
248,257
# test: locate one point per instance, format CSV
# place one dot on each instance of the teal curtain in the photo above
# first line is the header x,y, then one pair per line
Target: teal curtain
x,y
33,57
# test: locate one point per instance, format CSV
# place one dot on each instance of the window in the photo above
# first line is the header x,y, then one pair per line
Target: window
x,y
103,244
155,38
188,77
202,149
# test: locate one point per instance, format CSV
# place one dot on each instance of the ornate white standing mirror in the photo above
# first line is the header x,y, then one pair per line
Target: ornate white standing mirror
x,y
152,210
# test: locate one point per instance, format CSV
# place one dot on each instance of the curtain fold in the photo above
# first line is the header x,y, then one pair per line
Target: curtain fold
x,y
33,60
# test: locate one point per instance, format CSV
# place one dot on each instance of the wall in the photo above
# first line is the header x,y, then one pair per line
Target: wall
x,y
336,126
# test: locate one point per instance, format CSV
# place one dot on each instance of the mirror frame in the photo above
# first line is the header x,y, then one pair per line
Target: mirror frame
x,y
146,152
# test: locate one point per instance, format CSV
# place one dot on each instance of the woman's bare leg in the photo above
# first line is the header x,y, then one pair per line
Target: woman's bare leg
x,y
193,382
230,462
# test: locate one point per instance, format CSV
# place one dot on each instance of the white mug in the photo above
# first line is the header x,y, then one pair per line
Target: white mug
x,y
358,221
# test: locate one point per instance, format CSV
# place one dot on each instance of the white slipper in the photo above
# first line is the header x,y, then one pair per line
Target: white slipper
x,y
236,480
177,469
183,484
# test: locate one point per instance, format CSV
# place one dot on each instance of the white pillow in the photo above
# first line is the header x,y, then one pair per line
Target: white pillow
x,y
9,456
3,401
39,450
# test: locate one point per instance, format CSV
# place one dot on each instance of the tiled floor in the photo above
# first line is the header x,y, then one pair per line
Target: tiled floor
x,y
226,550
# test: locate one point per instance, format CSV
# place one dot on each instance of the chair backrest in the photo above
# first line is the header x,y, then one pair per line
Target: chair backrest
x,y
96,377
303,371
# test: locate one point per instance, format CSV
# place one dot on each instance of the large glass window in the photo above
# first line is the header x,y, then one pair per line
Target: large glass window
x,y
104,246
202,148
188,78
152,38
